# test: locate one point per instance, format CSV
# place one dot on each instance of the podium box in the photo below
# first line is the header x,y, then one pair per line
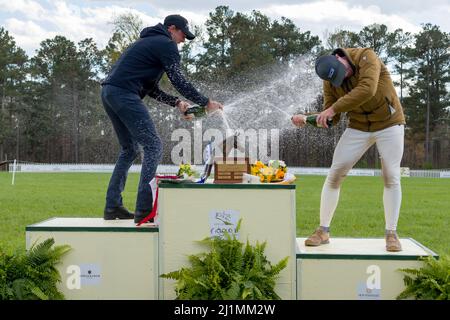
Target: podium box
x,y
355,269
117,260
192,212
109,259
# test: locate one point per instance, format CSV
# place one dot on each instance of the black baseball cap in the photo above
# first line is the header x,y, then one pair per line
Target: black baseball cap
x,y
329,68
181,23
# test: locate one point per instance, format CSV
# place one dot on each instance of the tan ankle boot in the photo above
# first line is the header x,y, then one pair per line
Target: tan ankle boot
x,y
317,238
392,242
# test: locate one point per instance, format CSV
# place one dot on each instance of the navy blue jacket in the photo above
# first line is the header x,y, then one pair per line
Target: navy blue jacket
x,y
141,66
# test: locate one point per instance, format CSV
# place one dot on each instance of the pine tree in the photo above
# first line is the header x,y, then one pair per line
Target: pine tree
x,y
428,95
12,75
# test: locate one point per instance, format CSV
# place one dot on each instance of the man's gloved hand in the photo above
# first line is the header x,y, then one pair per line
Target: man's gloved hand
x,y
183,106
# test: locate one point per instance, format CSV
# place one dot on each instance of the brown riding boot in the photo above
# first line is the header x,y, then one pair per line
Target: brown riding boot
x,y
317,238
392,242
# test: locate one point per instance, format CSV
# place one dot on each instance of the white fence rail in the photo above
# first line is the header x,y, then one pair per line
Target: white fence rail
x,y
172,169
83,167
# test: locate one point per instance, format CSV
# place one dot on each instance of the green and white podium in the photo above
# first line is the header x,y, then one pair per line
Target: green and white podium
x,y
118,260
109,259
192,212
355,269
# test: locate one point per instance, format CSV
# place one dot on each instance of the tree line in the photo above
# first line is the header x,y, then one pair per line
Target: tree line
x,y
51,109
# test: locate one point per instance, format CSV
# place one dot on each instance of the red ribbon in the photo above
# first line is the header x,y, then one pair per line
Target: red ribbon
x,y
152,214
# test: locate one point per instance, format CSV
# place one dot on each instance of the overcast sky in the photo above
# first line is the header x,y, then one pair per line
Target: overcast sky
x,y
31,21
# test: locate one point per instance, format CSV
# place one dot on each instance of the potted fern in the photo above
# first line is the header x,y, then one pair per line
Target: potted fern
x,y
431,282
32,275
230,270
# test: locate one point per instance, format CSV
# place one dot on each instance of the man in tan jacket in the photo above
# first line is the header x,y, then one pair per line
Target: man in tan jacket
x,y
357,82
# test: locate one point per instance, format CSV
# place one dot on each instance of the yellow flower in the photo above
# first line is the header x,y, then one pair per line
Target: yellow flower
x,y
279,175
276,170
254,170
261,177
185,169
259,164
268,171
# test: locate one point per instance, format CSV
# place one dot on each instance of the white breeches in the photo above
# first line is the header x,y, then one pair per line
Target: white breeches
x,y
350,148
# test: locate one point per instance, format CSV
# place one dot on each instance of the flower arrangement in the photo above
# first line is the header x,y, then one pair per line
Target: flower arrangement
x,y
186,171
274,171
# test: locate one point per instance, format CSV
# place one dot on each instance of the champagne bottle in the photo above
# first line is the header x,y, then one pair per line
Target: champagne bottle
x,y
196,110
312,120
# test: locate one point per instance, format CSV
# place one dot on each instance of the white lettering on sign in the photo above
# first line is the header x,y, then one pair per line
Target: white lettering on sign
x,y
90,274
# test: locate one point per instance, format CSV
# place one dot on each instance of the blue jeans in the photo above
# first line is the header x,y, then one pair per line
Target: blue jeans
x,y
133,126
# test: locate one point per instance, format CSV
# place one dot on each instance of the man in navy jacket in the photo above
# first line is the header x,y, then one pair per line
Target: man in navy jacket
x,y
135,75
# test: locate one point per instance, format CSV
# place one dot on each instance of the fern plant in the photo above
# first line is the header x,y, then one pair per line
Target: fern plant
x,y
431,282
32,275
230,270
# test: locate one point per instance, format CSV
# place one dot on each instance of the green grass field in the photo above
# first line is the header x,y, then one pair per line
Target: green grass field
x,y
425,213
